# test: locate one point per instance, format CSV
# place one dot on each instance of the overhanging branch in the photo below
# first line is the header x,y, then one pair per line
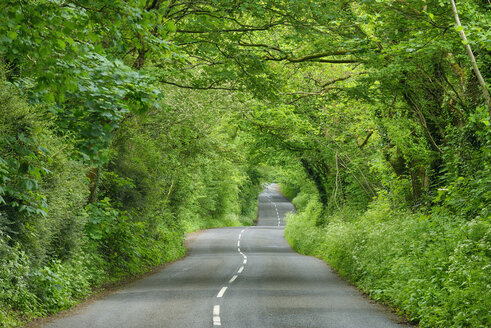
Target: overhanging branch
x,y
318,57
251,29
209,87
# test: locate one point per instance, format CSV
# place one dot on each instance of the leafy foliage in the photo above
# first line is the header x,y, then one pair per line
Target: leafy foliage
x,y
432,268
63,245
124,124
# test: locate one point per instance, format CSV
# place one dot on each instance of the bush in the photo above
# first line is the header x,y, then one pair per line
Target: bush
x,y
56,244
42,197
432,268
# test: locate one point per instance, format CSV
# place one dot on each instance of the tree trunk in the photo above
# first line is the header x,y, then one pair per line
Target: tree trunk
x,y
93,176
485,91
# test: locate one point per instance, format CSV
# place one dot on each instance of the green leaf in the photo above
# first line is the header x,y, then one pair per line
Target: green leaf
x,y
44,51
171,26
12,35
91,36
61,44
31,184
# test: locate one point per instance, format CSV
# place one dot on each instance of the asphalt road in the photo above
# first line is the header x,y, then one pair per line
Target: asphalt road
x,y
238,277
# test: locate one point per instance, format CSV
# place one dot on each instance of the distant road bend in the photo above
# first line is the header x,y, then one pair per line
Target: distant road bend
x,y
238,277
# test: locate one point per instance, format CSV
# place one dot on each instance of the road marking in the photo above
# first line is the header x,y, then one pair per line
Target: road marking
x,y
222,291
216,316
216,310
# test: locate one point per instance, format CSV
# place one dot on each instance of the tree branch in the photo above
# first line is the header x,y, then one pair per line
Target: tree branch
x,y
252,29
366,139
209,87
342,78
318,57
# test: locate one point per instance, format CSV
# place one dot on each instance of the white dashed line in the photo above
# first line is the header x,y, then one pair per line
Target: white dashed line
x,y
277,214
217,321
216,310
221,292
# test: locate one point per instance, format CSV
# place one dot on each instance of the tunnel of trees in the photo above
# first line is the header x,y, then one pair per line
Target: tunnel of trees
x,y
126,124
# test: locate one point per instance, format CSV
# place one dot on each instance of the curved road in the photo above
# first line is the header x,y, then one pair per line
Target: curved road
x,y
238,277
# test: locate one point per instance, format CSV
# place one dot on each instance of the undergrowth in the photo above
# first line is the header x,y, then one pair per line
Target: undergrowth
x,y
58,244
432,267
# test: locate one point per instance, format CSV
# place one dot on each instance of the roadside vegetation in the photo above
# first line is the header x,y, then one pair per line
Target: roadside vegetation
x,y
126,124
58,241
431,265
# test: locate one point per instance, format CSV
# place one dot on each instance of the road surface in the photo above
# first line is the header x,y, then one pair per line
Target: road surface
x,y
236,278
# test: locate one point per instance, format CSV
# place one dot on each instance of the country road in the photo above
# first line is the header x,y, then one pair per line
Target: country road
x,y
238,277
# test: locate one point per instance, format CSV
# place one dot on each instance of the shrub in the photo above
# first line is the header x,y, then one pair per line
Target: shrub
x,y
432,267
